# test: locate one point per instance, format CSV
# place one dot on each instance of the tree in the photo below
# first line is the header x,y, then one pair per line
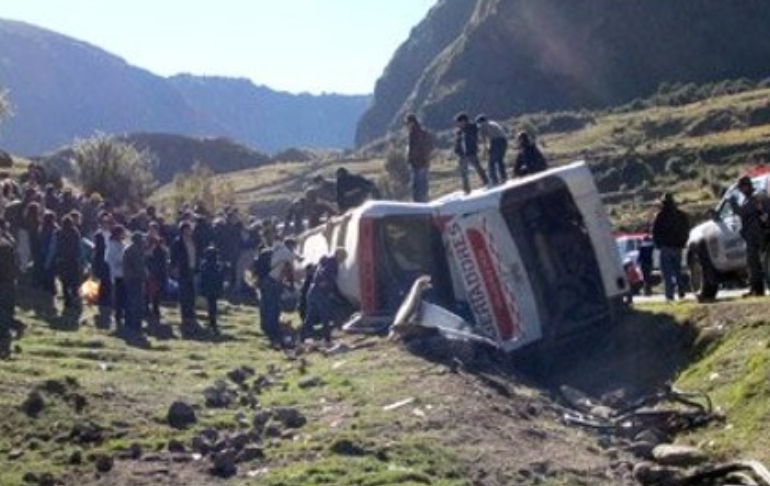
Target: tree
x,y
395,182
5,105
115,169
201,186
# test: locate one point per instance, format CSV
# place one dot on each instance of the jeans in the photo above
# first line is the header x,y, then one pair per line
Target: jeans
x,y
134,304
319,310
496,168
269,309
420,184
671,267
473,160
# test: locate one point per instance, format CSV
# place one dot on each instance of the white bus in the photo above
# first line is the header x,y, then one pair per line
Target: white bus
x,y
528,260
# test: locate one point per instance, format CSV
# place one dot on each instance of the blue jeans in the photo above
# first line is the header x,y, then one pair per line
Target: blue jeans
x,y
420,184
473,160
319,310
496,168
671,267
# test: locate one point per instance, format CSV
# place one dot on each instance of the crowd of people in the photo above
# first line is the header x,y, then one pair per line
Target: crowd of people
x,y
57,242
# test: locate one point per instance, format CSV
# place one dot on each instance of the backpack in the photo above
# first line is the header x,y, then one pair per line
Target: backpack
x,y
263,264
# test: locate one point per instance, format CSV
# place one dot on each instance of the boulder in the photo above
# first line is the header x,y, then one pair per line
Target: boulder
x,y
678,455
181,415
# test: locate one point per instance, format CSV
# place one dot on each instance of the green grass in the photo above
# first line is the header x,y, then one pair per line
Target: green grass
x,y
731,363
129,390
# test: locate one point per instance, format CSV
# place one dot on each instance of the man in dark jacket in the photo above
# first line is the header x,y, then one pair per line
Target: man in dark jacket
x,y
9,271
670,231
134,278
183,267
418,152
467,149
353,190
529,159
753,211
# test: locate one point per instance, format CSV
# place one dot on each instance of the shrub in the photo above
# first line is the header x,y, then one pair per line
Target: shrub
x,y
201,187
397,175
5,105
113,168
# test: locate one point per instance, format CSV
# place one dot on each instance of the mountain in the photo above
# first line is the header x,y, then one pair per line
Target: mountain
x,y
507,57
62,89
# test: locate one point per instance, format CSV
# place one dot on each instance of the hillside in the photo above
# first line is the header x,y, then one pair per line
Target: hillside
x,y
691,140
83,405
508,57
62,89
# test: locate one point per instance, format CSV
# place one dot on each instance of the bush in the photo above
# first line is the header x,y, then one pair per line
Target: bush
x,y
5,105
114,169
397,175
201,187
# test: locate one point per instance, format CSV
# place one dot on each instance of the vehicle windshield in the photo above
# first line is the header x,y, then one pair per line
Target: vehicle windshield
x,y
725,209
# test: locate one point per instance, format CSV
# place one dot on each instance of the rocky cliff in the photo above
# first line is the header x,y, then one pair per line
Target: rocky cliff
x,y
506,57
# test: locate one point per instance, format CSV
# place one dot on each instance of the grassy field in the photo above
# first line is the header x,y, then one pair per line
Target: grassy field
x,y
375,413
710,143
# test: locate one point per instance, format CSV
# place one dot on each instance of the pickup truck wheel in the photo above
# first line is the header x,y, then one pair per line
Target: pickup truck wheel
x,y
702,273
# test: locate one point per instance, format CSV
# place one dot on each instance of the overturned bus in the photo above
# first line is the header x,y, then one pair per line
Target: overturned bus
x,y
529,260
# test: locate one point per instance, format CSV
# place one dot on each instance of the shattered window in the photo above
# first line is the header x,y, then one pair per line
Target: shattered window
x,y
406,248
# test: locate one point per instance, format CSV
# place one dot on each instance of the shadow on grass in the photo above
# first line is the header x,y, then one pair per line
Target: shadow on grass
x,y
68,320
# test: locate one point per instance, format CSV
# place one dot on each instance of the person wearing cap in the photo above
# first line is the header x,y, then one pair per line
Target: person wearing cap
x,y
670,231
753,211
467,149
491,133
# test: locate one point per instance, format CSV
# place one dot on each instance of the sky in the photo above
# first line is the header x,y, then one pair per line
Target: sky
x,y
313,46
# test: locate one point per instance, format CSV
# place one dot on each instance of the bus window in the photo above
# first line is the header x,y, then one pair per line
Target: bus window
x,y
407,247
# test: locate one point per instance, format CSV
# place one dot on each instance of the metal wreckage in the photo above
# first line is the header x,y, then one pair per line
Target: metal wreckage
x,y
532,260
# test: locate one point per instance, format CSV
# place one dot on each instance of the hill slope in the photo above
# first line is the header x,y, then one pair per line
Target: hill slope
x,y
510,57
62,89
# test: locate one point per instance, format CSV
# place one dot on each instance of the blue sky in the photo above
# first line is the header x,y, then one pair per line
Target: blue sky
x,y
315,46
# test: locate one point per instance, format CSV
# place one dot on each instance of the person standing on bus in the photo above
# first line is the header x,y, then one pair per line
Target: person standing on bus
x,y
419,148
492,133
467,149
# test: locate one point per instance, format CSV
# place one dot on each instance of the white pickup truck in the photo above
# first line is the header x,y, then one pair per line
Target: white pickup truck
x,y
533,259
716,252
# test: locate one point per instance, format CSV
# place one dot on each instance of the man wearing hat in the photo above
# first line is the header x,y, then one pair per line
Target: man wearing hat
x,y
753,211
670,231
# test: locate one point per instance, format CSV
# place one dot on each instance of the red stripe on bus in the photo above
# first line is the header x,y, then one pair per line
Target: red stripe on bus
x,y
366,270
506,326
